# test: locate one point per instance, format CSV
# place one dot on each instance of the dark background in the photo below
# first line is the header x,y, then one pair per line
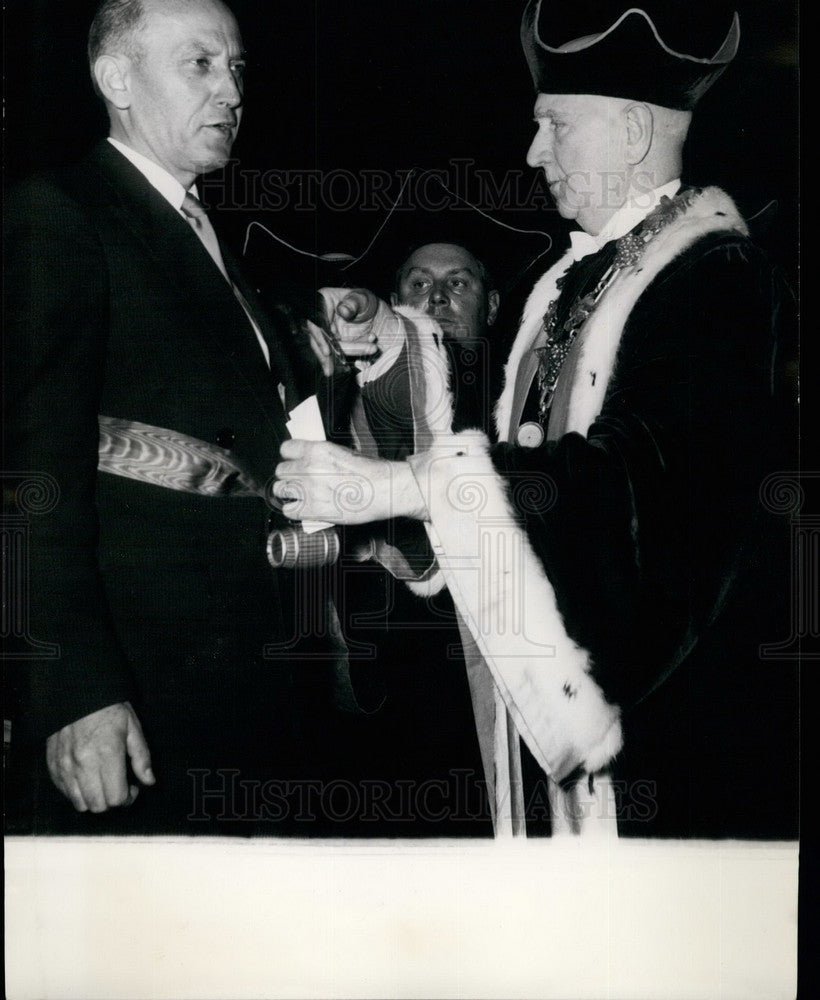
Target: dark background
x,y
363,87
367,85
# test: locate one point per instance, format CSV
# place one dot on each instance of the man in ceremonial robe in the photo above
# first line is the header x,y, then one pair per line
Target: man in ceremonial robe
x,y
616,559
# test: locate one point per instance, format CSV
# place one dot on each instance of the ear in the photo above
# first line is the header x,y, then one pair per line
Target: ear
x,y
394,299
493,302
112,76
640,125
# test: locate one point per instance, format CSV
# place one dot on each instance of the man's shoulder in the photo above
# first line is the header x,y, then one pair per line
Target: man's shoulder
x,y
707,249
711,230
59,190
82,186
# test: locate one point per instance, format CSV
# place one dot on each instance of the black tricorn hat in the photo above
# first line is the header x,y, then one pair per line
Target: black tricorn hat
x,y
629,60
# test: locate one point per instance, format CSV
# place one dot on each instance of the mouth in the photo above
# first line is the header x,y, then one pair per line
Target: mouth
x,y
225,129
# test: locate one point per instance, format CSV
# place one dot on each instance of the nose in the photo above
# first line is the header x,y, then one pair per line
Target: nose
x,y
540,151
438,295
228,91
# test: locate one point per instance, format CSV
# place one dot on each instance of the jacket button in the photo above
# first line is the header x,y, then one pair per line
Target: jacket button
x,y
225,438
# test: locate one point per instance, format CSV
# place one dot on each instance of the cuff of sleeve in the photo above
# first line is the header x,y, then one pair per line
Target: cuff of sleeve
x,y
506,600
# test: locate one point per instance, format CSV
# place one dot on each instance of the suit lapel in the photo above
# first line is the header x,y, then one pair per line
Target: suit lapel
x,y
280,363
179,254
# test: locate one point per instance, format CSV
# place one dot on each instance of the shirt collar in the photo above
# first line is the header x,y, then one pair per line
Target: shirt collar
x,y
633,211
169,187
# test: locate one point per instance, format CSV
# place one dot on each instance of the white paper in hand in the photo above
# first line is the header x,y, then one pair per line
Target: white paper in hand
x,y
305,424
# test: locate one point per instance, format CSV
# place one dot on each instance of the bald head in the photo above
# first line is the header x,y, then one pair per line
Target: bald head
x,y
170,73
117,25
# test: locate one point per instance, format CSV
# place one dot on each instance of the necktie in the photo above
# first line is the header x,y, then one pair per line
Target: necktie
x,y
194,211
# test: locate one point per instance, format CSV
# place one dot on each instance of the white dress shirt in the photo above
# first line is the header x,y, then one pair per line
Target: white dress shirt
x,y
634,210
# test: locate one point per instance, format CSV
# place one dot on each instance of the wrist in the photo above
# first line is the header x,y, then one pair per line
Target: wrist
x,y
407,498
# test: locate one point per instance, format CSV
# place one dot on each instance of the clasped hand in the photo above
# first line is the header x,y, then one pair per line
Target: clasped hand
x,y
357,321
320,481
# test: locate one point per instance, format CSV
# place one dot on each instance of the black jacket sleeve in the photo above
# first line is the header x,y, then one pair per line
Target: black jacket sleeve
x,y
56,316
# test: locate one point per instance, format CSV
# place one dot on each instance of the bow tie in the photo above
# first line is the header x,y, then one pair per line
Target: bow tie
x,y
582,244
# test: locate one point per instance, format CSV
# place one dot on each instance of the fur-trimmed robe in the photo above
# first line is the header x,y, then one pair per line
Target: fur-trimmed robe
x,y
611,578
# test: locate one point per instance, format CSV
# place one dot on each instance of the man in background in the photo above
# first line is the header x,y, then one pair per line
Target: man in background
x,y
408,722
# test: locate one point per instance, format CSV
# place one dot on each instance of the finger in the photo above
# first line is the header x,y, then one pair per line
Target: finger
x,y
113,779
284,489
359,348
351,306
133,792
318,339
294,510
90,785
290,467
294,448
61,780
321,348
61,771
353,333
358,306
53,762
75,796
138,751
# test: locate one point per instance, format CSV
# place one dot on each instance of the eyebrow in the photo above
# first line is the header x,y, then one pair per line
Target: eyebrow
x,y
453,270
549,113
205,49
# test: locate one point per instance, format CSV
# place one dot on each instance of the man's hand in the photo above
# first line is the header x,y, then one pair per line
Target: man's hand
x,y
320,481
86,759
357,321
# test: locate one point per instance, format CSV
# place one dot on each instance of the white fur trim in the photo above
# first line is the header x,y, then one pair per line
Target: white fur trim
x,y
712,211
431,395
502,593
592,358
434,584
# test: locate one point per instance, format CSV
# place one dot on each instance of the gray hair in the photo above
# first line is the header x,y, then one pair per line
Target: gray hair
x,y
114,29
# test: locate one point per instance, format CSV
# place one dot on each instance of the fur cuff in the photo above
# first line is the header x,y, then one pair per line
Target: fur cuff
x,y
501,591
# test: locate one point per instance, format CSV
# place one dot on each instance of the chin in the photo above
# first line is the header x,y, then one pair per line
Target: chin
x,y
565,210
208,164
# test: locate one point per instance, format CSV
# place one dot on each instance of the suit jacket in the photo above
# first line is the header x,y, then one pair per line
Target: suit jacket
x,y
114,307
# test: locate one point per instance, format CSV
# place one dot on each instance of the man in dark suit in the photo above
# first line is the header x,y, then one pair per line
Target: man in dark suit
x,y
135,345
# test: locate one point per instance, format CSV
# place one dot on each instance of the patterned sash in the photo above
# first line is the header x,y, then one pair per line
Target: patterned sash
x,y
174,461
